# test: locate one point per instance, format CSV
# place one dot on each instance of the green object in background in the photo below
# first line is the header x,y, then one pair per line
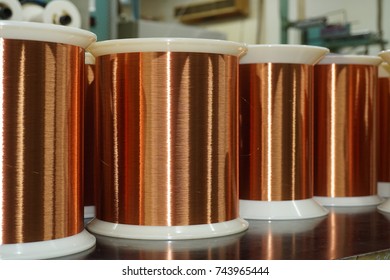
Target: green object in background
x,y
104,19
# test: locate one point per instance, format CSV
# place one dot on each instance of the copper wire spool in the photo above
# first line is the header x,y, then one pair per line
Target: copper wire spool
x,y
345,129
89,128
383,130
276,160
41,140
383,187
277,164
167,122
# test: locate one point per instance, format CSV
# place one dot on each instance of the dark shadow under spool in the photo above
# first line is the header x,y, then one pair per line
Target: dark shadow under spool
x,y
41,144
168,156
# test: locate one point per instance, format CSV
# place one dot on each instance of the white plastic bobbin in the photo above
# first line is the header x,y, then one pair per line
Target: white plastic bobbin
x,y
62,35
167,232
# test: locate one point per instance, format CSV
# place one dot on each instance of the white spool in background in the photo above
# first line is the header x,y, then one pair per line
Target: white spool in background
x,y
58,12
10,10
32,12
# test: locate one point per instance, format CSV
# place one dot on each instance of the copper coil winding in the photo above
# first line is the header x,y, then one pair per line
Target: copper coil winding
x,y
168,132
276,131
383,123
41,124
345,130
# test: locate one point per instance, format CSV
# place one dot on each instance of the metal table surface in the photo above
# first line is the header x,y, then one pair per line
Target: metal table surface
x,y
355,232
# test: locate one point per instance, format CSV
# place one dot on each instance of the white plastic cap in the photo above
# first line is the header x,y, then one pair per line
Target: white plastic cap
x,y
351,59
384,70
89,58
294,54
35,31
167,45
385,55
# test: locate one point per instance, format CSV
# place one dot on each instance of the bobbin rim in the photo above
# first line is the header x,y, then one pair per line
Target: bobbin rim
x,y
350,59
370,200
48,249
196,45
384,70
187,232
89,58
281,210
46,32
283,53
385,206
385,55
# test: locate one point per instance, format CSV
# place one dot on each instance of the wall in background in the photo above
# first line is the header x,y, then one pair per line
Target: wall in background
x,y
266,28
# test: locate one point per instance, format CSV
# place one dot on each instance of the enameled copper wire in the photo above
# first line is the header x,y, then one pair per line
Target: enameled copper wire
x,y
383,123
168,132
89,123
40,146
275,131
345,130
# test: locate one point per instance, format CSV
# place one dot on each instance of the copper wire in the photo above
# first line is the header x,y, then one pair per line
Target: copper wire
x,y
41,140
89,146
345,128
275,131
168,127
383,125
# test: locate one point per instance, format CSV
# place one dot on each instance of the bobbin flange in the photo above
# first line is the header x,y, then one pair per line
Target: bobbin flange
x,y
385,206
167,232
281,210
370,200
48,249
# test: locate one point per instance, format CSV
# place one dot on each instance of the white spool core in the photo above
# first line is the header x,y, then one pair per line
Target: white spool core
x,y
281,210
167,232
48,249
